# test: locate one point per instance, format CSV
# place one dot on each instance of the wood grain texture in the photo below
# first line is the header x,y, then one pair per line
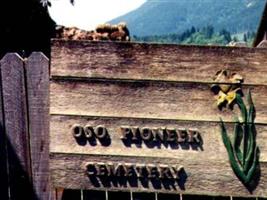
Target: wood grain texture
x,y
37,73
139,61
208,168
16,126
3,151
187,101
68,170
62,140
151,85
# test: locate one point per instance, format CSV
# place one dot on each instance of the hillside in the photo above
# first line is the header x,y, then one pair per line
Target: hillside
x,y
175,16
203,36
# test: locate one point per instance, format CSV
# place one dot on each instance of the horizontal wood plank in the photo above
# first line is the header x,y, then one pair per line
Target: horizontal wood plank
x,y
158,100
152,86
209,178
62,140
137,61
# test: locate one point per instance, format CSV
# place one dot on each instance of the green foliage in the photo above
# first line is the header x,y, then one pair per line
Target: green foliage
x,y
243,152
203,36
25,27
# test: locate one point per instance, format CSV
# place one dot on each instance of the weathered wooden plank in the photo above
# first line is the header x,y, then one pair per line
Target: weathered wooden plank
x,y
15,113
62,140
69,171
3,152
187,101
37,74
149,86
155,61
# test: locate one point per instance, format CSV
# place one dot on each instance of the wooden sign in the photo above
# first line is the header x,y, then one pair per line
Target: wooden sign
x,y
146,117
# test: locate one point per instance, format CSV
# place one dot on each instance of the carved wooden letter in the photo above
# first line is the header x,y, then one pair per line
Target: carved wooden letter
x,y
77,131
125,132
165,172
89,131
172,136
182,135
135,131
176,170
194,136
130,170
102,169
146,134
153,171
91,170
101,132
158,133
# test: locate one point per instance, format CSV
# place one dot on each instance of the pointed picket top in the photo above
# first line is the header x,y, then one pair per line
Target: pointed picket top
x,y
12,58
16,126
37,55
37,79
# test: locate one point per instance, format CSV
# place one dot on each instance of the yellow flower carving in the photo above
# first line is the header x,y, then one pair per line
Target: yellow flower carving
x,y
226,92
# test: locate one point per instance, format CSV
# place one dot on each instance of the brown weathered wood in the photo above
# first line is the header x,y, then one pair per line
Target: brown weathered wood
x,y
187,101
16,129
3,152
37,73
208,167
100,84
210,178
155,61
62,141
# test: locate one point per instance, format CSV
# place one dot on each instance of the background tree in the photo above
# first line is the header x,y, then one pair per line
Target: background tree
x,y
25,26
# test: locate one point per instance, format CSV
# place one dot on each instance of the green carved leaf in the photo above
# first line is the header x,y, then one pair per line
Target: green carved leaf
x,y
252,111
238,140
235,165
242,107
243,153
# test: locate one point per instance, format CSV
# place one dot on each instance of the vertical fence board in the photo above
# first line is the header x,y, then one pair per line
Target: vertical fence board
x,y
3,153
15,122
37,73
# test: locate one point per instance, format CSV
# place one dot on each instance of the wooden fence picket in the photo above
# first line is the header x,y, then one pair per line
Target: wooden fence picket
x,y
37,76
16,126
3,153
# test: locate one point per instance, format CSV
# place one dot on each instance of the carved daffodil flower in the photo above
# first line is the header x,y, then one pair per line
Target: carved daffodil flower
x,y
226,87
221,99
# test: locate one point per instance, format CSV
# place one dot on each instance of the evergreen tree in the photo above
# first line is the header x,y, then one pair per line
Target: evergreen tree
x,y
203,36
226,34
193,30
235,39
245,37
25,26
208,31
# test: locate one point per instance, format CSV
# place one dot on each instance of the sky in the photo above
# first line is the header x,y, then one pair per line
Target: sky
x,y
87,14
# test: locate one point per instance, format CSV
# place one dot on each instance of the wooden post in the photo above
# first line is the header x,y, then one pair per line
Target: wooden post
x,y
16,127
37,76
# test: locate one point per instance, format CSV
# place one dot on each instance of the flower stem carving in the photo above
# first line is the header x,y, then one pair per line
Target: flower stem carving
x,y
243,152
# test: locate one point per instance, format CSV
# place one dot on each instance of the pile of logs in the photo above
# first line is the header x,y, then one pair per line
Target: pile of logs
x,y
117,32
